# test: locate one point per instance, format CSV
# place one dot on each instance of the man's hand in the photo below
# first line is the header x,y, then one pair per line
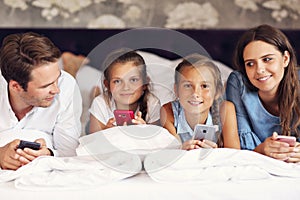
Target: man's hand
x,y
27,155
9,158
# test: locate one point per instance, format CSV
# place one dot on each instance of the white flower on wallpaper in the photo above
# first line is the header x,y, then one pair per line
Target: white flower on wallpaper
x,y
16,4
185,14
107,21
280,9
53,8
283,8
69,5
98,1
246,5
125,1
133,13
193,15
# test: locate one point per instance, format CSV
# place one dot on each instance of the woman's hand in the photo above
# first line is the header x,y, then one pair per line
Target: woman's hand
x,y
278,150
295,156
197,144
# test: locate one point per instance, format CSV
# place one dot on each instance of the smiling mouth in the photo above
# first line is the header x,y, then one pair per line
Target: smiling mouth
x,y
195,103
264,78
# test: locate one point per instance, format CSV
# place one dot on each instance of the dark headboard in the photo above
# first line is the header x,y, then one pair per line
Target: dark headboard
x,y
218,43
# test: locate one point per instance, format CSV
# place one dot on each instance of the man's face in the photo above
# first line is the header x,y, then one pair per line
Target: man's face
x,y
43,86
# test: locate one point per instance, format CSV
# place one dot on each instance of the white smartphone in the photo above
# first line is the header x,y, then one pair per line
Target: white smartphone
x,y
207,132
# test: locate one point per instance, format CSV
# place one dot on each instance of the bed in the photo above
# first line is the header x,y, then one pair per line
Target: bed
x,y
155,166
146,162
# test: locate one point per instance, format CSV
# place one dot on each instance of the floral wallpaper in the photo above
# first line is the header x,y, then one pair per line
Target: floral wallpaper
x,y
183,14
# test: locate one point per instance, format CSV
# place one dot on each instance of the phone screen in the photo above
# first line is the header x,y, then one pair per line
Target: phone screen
x,y
26,144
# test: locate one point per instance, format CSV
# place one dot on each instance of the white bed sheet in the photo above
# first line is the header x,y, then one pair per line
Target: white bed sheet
x,y
143,187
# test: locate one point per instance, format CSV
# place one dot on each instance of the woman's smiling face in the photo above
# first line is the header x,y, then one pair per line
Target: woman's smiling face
x,y
264,65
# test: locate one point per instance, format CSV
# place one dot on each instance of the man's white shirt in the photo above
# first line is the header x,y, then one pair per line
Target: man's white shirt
x,y
61,120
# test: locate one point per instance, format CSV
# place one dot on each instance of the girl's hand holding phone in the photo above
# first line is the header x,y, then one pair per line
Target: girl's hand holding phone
x,y
138,119
197,144
126,117
110,123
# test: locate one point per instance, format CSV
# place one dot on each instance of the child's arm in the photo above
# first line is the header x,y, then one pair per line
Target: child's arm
x,y
96,125
72,62
229,129
167,118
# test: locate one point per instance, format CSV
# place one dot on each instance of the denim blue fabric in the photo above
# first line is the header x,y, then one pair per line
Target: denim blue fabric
x,y
255,123
183,129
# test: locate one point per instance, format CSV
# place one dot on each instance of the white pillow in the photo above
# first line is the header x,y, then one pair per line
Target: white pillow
x,y
136,139
87,78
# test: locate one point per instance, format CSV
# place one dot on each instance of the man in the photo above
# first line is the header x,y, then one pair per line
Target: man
x,y
36,95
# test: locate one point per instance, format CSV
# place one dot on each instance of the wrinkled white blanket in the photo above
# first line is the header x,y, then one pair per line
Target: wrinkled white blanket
x,y
60,173
118,153
209,165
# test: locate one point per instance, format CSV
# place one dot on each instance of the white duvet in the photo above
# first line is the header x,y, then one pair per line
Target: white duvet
x,y
210,165
122,152
59,173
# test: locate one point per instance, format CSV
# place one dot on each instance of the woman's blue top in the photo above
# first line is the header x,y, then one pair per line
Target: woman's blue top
x,y
255,123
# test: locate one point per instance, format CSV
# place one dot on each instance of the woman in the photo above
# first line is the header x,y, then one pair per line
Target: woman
x,y
265,91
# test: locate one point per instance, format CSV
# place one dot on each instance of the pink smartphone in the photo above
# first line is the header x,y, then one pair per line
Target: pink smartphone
x,y
287,139
123,116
